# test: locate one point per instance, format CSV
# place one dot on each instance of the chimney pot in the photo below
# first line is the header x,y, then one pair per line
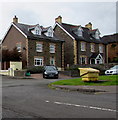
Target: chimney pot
x,y
58,19
15,19
89,25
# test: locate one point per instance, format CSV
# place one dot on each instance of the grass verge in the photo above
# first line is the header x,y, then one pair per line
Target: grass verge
x,y
103,80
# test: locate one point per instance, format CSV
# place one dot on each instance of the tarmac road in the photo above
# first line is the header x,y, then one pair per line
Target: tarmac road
x,y
31,98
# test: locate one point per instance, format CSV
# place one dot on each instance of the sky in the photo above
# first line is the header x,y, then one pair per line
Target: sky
x,y
102,15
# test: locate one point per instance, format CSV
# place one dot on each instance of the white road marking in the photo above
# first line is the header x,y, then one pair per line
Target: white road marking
x,y
85,106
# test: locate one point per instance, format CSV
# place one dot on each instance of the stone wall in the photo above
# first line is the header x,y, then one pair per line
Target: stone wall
x,y
46,52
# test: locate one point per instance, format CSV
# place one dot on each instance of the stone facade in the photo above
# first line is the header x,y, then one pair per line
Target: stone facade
x,y
22,35
112,52
72,51
45,53
68,46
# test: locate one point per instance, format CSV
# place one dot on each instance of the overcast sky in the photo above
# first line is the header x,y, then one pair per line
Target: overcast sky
x,y
102,15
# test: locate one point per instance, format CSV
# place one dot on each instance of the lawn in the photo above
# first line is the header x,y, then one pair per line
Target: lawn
x,y
103,80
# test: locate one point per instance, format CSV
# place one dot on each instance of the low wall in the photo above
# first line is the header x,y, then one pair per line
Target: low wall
x,y
4,72
19,73
72,73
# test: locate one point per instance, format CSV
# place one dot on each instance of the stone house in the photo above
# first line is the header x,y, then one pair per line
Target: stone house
x,y
112,47
39,45
83,45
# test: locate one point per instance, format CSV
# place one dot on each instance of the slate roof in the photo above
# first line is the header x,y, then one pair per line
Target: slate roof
x,y
25,29
110,39
87,34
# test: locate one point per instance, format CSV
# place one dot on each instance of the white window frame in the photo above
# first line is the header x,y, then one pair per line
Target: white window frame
x,y
92,47
80,32
52,48
52,60
39,47
100,48
83,46
37,30
81,58
38,61
18,46
97,35
49,32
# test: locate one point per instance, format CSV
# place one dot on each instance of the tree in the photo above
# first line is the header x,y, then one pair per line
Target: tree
x,y
15,55
12,55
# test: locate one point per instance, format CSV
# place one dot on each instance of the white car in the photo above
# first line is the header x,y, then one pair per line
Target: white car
x,y
112,71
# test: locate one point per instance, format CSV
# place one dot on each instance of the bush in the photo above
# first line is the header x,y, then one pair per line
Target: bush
x,y
35,69
101,69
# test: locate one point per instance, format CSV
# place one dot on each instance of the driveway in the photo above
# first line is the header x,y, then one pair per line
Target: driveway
x,y
40,76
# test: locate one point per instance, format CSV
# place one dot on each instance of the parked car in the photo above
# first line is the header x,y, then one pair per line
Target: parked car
x,y
50,72
112,71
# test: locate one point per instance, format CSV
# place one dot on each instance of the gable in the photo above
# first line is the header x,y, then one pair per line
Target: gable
x,y
36,30
57,24
13,25
99,56
12,38
49,32
9,29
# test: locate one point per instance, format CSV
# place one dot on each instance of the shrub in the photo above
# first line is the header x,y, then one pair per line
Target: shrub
x,y
101,69
35,69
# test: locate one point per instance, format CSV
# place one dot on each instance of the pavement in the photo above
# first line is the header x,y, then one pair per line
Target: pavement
x,y
80,88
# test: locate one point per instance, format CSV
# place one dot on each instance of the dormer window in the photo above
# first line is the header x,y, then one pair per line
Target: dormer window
x,y
36,30
97,33
49,32
79,32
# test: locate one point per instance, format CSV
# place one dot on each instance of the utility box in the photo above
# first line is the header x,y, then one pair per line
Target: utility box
x,y
89,74
16,65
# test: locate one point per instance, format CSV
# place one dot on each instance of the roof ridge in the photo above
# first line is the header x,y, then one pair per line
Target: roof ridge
x,y
71,24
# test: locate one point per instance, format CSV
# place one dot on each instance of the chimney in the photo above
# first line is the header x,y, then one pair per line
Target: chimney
x,y
89,26
58,19
15,19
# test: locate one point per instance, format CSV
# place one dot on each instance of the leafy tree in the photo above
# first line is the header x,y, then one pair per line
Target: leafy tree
x,y
15,55
12,55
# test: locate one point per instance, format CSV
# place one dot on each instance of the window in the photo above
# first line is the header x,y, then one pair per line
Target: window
x,y
38,61
52,48
52,60
101,48
83,46
18,45
83,60
79,32
49,32
97,35
37,32
92,47
39,47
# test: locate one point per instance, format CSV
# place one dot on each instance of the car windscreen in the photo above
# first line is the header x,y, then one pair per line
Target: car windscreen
x,y
50,68
115,67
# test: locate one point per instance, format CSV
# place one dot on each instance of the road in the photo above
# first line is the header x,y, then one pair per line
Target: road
x,y
31,98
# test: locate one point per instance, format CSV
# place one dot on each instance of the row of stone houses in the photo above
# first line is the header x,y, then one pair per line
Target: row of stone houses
x,y
62,46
